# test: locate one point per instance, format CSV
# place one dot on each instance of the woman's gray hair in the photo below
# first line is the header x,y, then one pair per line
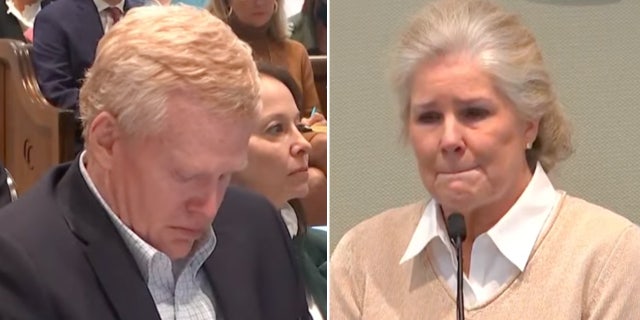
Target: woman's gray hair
x,y
507,51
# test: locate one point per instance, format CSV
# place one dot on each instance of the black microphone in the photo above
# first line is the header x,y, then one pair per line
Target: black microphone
x,y
457,233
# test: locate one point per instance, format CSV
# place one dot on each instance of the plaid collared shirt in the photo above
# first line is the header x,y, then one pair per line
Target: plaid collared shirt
x,y
180,289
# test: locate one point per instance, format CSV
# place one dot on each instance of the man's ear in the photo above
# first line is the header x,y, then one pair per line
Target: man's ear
x,y
104,132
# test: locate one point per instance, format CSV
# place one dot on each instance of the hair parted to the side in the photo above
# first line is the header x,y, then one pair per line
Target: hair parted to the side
x,y
507,51
158,51
278,25
283,76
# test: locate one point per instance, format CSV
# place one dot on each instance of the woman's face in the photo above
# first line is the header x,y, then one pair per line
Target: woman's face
x,y
256,13
467,137
278,153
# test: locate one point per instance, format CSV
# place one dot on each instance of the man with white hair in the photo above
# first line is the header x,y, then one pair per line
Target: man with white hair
x,y
127,230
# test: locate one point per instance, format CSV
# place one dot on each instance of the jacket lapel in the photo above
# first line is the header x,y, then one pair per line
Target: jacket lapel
x,y
114,266
124,286
230,270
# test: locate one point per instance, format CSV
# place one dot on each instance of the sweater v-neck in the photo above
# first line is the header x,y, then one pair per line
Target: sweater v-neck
x,y
429,264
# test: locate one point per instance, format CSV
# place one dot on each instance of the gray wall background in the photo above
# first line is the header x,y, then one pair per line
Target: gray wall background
x,y
592,48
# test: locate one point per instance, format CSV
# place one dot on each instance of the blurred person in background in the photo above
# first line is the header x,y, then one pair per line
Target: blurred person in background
x,y
309,26
263,24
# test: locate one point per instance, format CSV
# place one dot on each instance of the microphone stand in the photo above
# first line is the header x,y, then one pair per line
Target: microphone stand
x,y
457,234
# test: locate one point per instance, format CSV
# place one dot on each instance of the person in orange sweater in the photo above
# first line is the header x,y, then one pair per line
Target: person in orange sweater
x,y
486,127
263,24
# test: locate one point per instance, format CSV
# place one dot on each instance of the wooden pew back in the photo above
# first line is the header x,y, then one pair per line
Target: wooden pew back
x,y
319,64
34,135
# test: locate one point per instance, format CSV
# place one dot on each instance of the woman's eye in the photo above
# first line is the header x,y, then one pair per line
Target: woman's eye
x,y
275,129
475,113
428,117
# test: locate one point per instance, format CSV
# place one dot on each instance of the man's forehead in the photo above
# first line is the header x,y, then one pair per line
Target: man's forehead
x,y
220,156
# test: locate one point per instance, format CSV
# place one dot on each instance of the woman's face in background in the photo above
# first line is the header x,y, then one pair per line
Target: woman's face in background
x,y
255,13
278,153
467,137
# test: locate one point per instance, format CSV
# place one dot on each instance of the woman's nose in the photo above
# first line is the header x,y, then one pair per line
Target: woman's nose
x,y
451,141
300,144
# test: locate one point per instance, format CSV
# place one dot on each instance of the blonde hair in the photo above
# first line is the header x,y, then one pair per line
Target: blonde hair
x,y
158,51
506,50
278,25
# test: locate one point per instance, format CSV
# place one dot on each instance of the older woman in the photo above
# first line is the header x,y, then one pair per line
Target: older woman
x,y
263,24
486,127
278,168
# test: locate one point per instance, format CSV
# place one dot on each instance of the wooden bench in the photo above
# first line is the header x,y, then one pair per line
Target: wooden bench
x,y
319,65
34,135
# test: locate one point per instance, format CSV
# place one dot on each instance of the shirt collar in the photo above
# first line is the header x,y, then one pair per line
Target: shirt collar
x,y
290,219
143,253
27,16
514,235
101,5
430,226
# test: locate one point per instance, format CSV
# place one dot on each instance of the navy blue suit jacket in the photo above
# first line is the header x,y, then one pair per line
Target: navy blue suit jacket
x,y
65,38
61,258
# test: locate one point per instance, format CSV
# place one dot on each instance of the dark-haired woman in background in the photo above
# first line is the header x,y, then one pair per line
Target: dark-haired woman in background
x,y
278,168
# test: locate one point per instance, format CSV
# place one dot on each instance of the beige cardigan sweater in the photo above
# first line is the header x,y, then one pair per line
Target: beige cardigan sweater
x,y
585,265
